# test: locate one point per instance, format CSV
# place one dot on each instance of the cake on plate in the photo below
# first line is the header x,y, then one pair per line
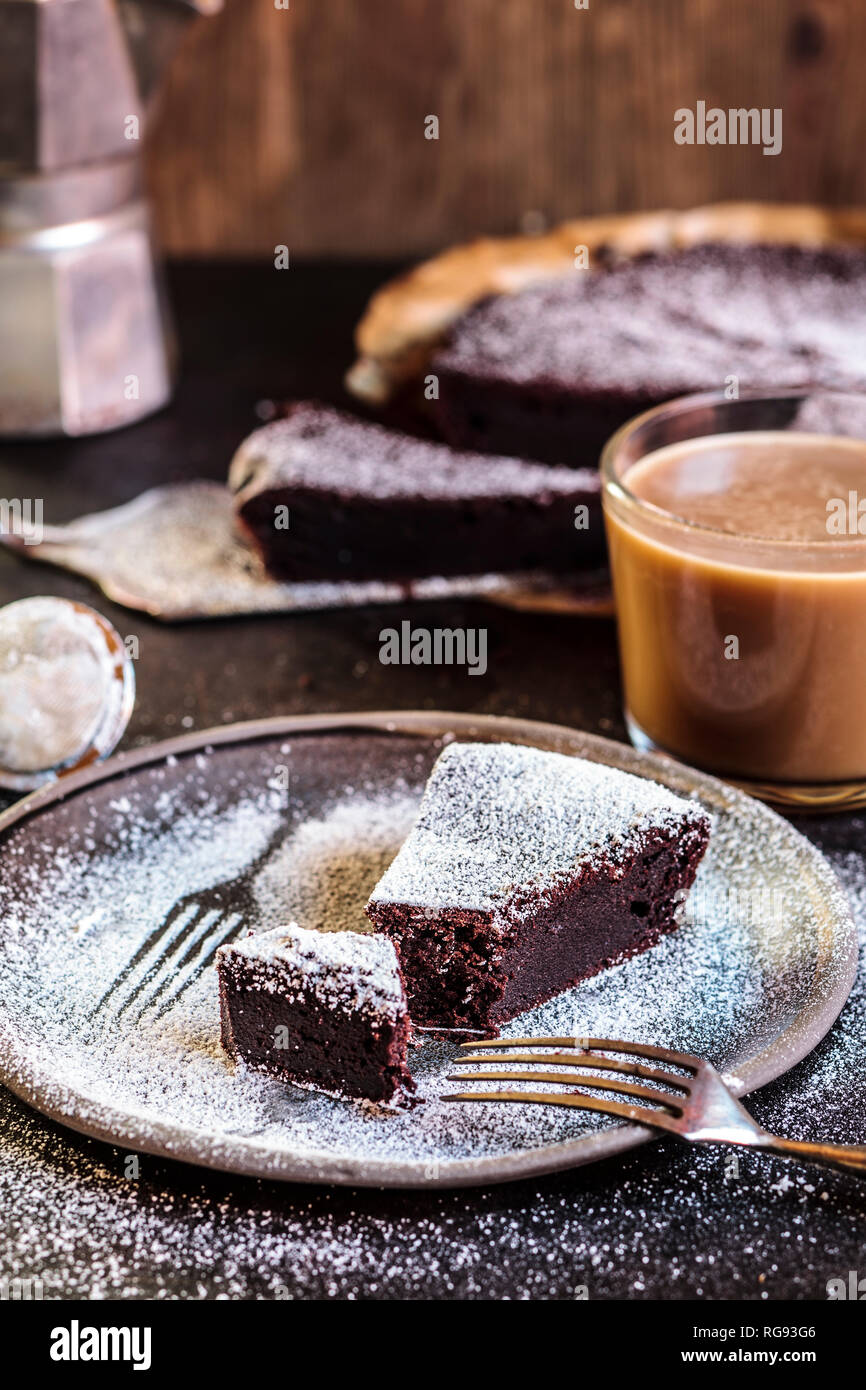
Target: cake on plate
x,y
327,496
320,1009
526,872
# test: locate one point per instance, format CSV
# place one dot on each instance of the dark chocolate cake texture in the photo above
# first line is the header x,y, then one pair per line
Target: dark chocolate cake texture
x,y
554,369
525,873
322,1009
326,496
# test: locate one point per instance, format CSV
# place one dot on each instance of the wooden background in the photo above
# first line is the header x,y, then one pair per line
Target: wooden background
x,y
306,126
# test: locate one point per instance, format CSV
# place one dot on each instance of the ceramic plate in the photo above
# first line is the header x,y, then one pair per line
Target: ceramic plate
x,y
117,886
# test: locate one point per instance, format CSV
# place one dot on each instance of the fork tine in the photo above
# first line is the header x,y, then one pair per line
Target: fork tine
x,y
654,1119
208,925
150,941
655,1054
207,952
585,1060
601,1083
168,947
524,1042
161,941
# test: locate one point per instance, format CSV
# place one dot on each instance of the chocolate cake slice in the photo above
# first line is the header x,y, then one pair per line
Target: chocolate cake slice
x,y
554,369
325,496
526,872
322,1009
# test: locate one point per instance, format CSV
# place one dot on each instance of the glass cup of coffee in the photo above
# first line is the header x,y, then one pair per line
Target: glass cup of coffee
x,y
737,538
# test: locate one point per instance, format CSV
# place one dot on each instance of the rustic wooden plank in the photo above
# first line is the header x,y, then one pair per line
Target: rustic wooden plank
x,y
306,126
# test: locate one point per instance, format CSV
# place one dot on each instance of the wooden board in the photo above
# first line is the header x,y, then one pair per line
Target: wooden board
x,y
305,126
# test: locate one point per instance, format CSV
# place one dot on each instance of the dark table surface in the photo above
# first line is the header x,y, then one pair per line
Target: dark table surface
x,y
664,1222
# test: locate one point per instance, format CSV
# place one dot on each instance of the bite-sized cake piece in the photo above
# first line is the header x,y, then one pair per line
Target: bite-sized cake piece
x,y
557,367
529,871
327,496
322,1009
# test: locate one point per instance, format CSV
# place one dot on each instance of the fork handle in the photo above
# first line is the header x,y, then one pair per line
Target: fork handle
x,y
849,1158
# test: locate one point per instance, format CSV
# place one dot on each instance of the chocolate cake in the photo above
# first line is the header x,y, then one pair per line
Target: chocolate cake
x,y
362,502
554,369
526,872
322,1009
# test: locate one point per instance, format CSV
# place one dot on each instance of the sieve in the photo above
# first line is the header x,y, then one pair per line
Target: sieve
x,y
67,689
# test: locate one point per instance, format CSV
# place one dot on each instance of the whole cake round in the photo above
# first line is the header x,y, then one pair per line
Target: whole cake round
x,y
554,369
541,346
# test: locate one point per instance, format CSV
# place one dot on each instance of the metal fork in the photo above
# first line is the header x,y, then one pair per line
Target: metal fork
x,y
696,1106
184,944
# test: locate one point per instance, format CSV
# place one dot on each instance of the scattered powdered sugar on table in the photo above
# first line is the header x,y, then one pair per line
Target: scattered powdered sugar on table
x,y
77,899
664,1222
837,1067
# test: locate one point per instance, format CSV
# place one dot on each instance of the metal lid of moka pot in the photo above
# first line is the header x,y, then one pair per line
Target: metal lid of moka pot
x,y
85,340
67,84
72,73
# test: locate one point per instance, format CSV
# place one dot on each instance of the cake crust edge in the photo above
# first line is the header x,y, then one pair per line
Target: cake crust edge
x,y
408,317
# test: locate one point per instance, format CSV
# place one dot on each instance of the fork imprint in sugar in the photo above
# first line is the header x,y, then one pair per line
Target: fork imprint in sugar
x,y
178,951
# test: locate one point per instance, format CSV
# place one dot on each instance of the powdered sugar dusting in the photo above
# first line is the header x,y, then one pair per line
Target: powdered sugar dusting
x,y
321,874
86,881
321,448
345,970
500,818
777,316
